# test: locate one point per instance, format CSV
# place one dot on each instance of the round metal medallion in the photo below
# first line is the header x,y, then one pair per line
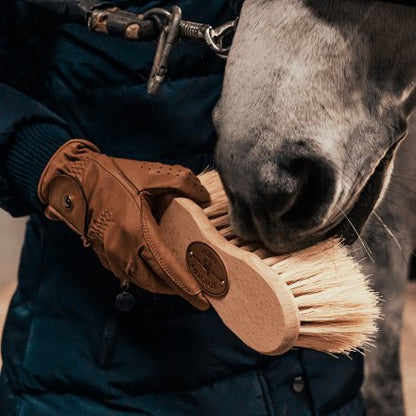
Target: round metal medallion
x,y
125,301
208,269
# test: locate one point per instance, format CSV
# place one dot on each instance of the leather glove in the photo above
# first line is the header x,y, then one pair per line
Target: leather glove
x,y
109,201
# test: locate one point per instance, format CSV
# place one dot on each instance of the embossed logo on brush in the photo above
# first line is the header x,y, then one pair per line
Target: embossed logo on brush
x,y
208,269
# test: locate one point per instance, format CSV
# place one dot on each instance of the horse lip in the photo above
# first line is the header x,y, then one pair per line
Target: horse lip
x,y
292,244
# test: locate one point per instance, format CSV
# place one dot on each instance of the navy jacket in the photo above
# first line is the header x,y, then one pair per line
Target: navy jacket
x,y
66,350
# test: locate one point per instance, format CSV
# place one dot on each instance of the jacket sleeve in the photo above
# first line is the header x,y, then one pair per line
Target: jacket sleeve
x,y
29,132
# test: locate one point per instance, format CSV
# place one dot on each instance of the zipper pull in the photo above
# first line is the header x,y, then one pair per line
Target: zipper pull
x,y
125,300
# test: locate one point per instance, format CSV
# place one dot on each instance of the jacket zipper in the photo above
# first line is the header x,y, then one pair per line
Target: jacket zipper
x,y
124,302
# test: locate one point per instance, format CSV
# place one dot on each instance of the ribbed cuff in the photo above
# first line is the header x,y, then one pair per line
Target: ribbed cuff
x,y
27,155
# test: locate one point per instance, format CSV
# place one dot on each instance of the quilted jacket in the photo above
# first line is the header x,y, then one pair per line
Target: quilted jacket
x,y
66,349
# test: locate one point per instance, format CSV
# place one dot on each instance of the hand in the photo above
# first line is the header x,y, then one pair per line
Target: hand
x,y
109,202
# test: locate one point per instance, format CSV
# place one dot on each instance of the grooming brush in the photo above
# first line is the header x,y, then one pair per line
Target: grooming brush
x,y
314,298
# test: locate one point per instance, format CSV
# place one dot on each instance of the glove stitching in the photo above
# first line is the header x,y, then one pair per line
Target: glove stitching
x,y
78,167
99,225
160,260
131,192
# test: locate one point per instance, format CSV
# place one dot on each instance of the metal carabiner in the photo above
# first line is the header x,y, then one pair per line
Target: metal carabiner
x,y
167,38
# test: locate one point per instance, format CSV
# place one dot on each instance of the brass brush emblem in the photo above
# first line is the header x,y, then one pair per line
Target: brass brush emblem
x,y
208,269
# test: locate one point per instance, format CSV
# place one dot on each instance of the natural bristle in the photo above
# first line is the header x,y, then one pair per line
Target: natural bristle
x,y
338,309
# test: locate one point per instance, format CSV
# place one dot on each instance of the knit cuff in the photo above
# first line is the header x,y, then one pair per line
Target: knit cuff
x,y
27,155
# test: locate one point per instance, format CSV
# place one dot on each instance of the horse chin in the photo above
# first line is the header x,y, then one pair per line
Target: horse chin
x,y
292,243
275,237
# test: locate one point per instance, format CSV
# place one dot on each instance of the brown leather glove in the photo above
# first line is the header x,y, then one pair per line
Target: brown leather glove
x,y
108,202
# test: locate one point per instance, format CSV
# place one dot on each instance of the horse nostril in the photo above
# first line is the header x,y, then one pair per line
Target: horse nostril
x,y
317,187
299,192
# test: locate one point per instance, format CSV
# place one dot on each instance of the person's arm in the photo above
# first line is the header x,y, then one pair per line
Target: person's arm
x,y
29,136
108,201
29,132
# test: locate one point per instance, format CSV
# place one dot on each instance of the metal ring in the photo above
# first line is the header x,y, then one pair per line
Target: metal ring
x,y
214,37
158,11
209,39
153,14
214,41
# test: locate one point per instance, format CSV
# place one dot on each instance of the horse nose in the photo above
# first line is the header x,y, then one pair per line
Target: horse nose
x,y
295,190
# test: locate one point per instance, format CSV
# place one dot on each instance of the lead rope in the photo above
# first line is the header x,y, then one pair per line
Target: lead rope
x,y
157,23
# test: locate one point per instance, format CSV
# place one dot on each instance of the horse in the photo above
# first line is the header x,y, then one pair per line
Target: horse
x,y
311,126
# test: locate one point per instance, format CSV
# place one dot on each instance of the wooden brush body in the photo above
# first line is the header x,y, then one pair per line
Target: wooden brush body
x,y
259,308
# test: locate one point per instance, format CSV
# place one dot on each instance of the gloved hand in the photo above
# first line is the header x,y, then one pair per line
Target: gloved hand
x,y
109,201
